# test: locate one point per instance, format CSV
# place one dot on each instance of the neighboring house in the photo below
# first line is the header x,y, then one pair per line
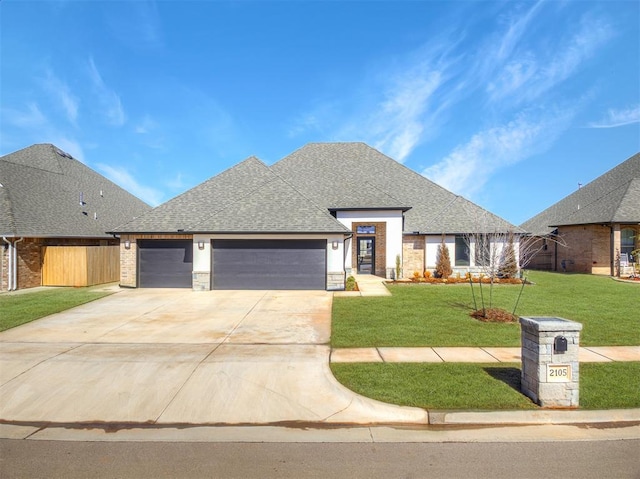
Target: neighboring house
x,y
54,214
320,214
586,231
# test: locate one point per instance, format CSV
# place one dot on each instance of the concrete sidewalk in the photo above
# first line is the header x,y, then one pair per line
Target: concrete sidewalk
x,y
591,354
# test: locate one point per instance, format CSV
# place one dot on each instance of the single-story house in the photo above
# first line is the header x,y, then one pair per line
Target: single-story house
x,y
324,212
54,214
595,228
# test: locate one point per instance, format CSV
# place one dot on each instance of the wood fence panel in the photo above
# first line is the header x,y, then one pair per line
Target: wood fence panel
x,y
103,264
80,265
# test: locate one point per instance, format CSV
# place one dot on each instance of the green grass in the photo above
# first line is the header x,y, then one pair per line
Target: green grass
x,y
23,307
482,386
610,385
438,315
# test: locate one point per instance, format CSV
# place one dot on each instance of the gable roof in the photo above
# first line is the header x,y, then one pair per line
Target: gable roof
x,y
613,197
41,193
247,198
351,175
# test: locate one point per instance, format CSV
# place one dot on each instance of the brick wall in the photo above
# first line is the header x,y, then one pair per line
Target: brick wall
x,y
587,250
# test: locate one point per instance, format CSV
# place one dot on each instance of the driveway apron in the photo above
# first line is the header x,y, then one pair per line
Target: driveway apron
x,y
182,357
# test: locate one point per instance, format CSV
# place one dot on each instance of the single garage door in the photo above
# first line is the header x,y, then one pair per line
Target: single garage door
x,y
165,263
269,264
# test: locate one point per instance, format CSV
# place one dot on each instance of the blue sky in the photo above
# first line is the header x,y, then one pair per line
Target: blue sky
x,y
509,104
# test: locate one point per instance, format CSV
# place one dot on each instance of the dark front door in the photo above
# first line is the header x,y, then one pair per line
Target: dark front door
x,y
366,255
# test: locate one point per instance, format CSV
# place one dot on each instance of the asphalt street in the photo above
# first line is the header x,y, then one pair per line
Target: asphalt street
x,y
69,460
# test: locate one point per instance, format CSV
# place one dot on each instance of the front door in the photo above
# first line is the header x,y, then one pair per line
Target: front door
x,y
366,255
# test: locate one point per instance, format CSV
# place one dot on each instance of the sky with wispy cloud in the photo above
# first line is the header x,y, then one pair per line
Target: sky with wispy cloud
x,y
510,104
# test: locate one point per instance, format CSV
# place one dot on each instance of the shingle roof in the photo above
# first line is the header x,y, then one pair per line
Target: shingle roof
x,y
345,175
247,198
42,188
613,197
297,193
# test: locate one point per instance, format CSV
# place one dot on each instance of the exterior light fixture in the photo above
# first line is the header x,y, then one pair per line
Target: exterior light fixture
x,y
127,244
200,244
334,245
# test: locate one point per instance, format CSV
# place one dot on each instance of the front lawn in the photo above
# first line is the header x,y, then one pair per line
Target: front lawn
x,y
438,315
26,306
494,386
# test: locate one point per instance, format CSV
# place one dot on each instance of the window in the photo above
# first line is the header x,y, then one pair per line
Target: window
x,y
483,250
366,230
627,242
462,251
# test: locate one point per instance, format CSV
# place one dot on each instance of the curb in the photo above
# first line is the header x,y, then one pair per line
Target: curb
x,y
542,417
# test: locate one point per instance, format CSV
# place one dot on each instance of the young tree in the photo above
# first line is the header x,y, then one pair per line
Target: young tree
x,y
502,253
508,263
443,262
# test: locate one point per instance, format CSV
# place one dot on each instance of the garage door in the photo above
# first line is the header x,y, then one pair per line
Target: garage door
x,y
269,264
165,263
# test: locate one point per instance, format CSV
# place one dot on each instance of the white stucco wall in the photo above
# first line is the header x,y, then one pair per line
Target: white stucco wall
x,y
433,242
393,219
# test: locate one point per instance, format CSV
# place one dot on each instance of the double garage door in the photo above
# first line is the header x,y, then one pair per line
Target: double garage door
x,y
236,264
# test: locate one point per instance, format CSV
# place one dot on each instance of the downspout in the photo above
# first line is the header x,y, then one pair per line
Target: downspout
x,y
9,261
344,253
15,263
612,258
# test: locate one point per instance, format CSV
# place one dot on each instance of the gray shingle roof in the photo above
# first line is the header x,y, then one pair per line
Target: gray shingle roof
x,y
41,192
247,198
344,175
613,197
297,193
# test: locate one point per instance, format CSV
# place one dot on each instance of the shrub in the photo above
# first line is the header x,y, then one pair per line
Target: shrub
x,y
416,274
443,262
427,274
350,285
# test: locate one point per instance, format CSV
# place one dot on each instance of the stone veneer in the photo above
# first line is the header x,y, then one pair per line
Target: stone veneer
x,y
537,348
335,281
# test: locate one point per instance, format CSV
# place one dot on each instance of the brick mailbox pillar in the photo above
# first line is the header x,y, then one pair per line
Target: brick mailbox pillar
x,y
550,375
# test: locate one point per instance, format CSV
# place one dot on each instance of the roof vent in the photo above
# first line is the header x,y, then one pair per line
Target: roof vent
x,y
82,203
64,154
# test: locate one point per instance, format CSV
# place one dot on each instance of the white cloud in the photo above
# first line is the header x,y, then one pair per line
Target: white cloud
x,y
124,179
532,71
469,166
60,90
109,99
32,117
616,118
146,125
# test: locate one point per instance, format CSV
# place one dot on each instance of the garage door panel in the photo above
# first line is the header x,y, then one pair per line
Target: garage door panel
x,y
165,263
272,264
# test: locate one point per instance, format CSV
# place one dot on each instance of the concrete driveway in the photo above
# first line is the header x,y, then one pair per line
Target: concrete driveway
x,y
183,357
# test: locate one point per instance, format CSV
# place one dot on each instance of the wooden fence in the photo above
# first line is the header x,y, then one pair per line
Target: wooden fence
x,y
80,265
